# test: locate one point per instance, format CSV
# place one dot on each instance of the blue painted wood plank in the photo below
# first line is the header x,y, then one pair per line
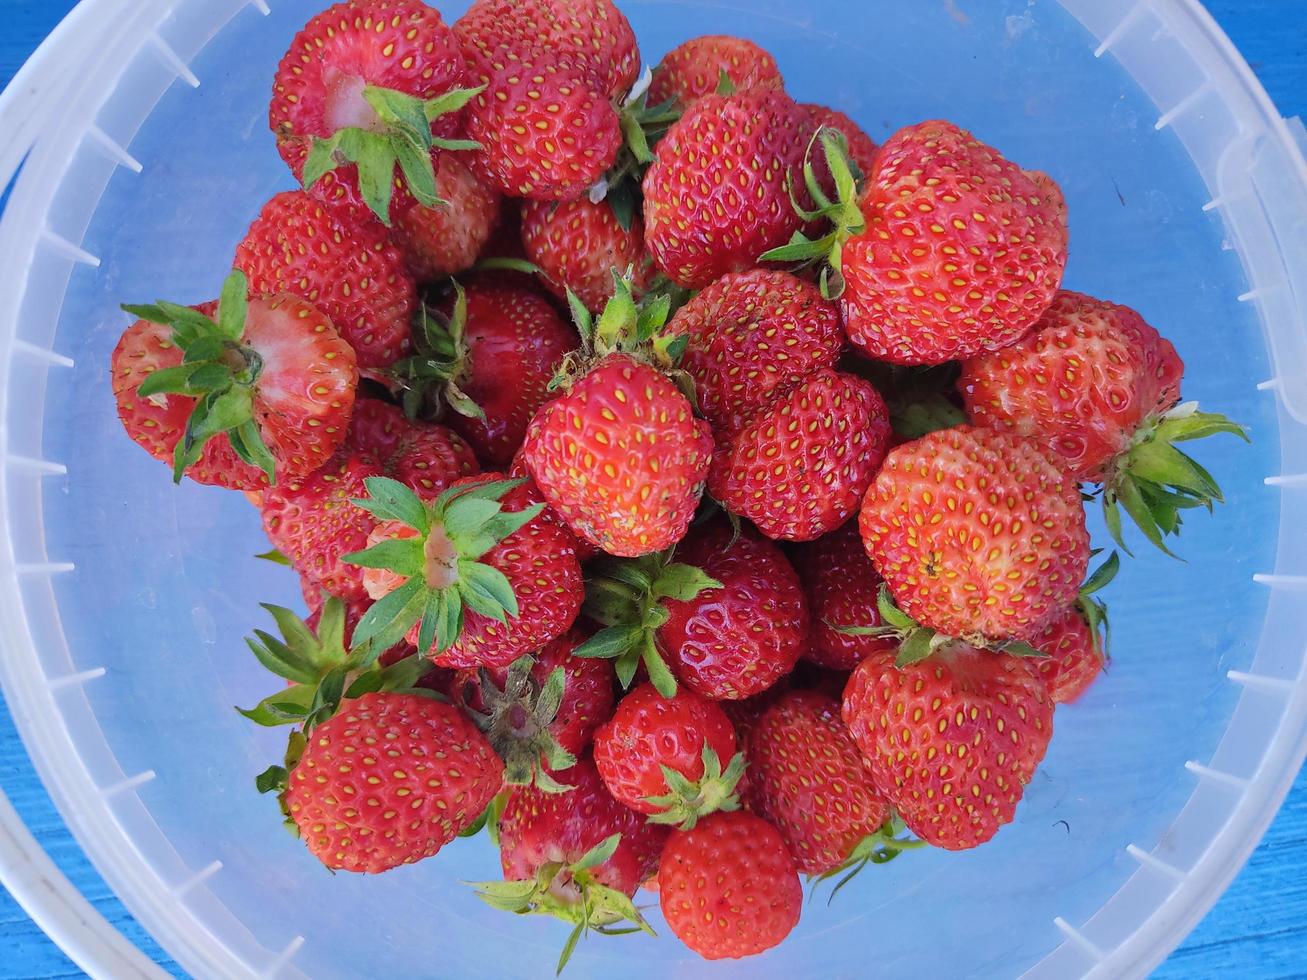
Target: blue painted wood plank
x,y
1257,930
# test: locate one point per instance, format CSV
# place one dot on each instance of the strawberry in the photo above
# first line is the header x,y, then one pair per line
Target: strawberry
x,y
800,466
489,354
591,37
359,809
728,617
238,393
313,521
813,785
696,68
619,456
472,578
542,711
842,587
531,495
1097,387
952,739
716,196
578,244
340,260
861,147
962,252
446,239
744,716
663,756
578,855
729,888
1075,644
976,533
369,89
752,336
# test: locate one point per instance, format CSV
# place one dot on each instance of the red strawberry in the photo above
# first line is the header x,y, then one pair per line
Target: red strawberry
x,y
538,828
751,336
738,640
591,37
371,86
951,740
717,194
962,253
843,587
313,521
976,533
861,147
695,67
266,388
446,239
729,888
1075,643
813,785
362,809
727,618
744,716
473,578
578,855
340,260
667,757
578,244
1093,384
620,456
542,711
800,467
545,132
490,354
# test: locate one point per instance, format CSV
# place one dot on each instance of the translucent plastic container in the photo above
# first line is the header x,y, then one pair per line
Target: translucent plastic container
x,y
124,599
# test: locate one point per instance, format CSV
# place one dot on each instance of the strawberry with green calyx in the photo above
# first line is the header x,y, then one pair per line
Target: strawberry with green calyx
x,y
644,123
268,378
1077,645
628,598
577,856
472,578
517,718
372,85
619,455
1098,388
662,756
486,354
840,210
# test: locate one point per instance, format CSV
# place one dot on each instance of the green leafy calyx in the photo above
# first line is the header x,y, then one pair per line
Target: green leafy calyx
x,y
219,371
516,720
400,135
627,596
887,843
439,567
842,213
572,893
643,125
431,380
687,800
1154,482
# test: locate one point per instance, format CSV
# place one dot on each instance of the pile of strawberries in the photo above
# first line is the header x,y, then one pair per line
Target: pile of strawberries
x,y
684,489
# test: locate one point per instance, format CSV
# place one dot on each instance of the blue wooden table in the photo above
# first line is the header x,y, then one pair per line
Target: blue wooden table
x,y
1257,930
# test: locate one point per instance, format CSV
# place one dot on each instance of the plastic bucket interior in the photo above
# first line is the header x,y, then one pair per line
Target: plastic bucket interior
x,y
141,128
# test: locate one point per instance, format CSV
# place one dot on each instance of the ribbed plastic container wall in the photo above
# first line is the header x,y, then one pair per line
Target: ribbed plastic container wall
x,y
124,598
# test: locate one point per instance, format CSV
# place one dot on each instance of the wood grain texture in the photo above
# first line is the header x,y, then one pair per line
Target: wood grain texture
x,y
1257,930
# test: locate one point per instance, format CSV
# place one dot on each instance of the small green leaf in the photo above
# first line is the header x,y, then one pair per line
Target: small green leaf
x,y
1102,575
274,556
150,312
468,515
416,166
725,84
659,675
683,583
232,306
391,500
433,614
403,556
168,381
598,854
1017,648
915,648
274,779
613,642
451,101
450,627
391,617
891,614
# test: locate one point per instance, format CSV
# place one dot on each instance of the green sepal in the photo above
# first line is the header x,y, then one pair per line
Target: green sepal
x,y
687,800
431,381
470,521
1153,482
217,370
883,846
571,893
642,126
404,140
